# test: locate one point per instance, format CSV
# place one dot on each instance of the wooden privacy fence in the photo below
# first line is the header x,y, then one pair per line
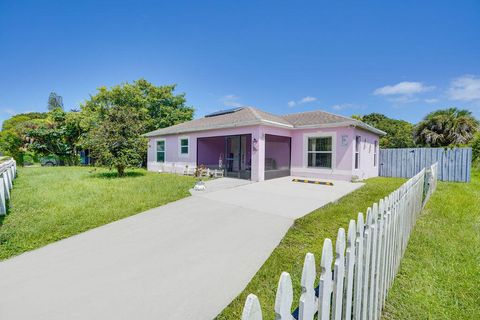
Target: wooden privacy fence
x,y
355,279
8,171
453,164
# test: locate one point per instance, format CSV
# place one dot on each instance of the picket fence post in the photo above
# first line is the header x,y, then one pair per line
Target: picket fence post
x,y
339,275
252,309
3,198
358,281
349,270
7,174
308,304
366,263
373,260
325,286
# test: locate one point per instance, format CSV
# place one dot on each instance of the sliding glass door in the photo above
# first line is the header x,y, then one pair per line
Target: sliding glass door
x,y
238,156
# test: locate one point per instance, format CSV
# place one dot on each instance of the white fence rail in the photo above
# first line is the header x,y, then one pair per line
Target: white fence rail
x,y
365,261
8,171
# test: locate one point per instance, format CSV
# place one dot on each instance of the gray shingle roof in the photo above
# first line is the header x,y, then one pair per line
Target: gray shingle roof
x,y
253,116
315,118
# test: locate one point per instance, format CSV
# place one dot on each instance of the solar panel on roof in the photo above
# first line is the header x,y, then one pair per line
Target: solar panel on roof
x,y
221,112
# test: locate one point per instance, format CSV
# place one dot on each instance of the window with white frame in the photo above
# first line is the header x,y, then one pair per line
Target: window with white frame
x,y
375,147
358,139
320,152
160,150
184,146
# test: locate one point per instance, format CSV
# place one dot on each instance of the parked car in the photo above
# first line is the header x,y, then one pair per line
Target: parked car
x,y
49,161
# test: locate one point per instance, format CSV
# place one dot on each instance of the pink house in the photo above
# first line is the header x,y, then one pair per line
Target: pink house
x,y
248,143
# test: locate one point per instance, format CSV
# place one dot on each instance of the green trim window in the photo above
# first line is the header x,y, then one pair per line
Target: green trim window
x,y
161,151
184,146
320,152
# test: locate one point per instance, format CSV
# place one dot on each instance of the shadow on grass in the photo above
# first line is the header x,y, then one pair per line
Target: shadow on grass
x,y
114,175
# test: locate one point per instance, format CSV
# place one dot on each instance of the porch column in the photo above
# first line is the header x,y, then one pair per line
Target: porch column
x,y
258,155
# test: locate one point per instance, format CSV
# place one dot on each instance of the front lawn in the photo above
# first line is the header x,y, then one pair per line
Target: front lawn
x,y
53,203
439,276
307,235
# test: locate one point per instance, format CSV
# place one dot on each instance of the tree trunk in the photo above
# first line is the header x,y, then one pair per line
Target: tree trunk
x,y
121,171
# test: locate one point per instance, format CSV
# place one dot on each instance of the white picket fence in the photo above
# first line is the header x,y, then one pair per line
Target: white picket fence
x,y
365,261
8,172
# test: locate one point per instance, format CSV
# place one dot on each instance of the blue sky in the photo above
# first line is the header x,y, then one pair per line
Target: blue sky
x,y
400,58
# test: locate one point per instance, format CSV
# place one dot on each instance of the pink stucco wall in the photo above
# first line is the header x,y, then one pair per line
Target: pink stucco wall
x,y
343,139
342,152
367,169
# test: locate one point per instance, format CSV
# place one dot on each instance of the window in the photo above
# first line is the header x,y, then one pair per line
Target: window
x,y
358,139
375,147
184,146
320,152
161,151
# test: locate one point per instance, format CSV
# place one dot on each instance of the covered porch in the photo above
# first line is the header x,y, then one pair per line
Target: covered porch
x,y
232,154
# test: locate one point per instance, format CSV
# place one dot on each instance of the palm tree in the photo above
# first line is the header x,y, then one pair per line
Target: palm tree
x,y
446,127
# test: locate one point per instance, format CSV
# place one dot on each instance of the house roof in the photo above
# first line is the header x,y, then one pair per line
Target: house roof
x,y
247,116
314,117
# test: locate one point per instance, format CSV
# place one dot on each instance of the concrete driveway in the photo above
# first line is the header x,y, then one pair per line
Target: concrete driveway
x,y
185,260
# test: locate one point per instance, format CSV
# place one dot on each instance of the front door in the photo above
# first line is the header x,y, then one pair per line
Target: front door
x,y
237,157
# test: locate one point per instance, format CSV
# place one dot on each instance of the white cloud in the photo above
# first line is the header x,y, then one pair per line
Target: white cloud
x,y
230,97
341,106
344,106
307,99
9,111
465,88
231,100
432,100
405,88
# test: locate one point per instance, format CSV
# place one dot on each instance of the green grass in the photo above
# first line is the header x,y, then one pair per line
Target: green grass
x,y
53,203
307,235
439,277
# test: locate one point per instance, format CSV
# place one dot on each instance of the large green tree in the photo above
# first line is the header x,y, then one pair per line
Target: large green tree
x,y
13,138
156,106
446,127
399,132
153,106
117,142
58,135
